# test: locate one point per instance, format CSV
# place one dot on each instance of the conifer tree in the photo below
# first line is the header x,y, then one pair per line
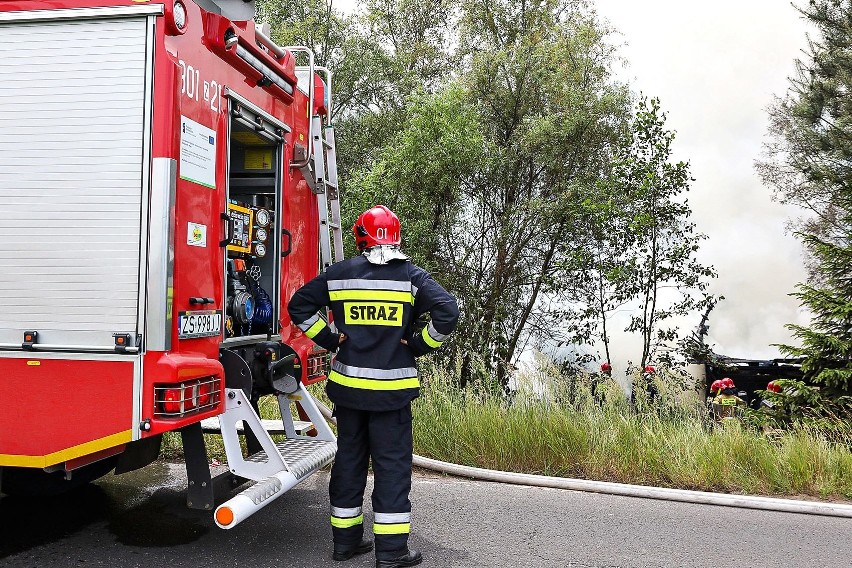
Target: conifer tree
x,y
810,164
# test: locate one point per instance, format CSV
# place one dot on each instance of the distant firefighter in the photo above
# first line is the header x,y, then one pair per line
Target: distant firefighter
x,y
726,404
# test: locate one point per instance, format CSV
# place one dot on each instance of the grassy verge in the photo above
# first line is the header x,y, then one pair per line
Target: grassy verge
x,y
668,444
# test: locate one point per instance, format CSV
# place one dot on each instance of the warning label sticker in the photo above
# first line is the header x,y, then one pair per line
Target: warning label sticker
x,y
197,153
196,235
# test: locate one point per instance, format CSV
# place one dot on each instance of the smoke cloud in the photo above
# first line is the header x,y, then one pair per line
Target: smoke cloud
x,y
716,66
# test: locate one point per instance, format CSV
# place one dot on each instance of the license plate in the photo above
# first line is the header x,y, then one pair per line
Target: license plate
x,y
206,323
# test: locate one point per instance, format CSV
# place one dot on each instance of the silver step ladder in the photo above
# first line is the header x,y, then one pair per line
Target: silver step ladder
x,y
279,466
321,175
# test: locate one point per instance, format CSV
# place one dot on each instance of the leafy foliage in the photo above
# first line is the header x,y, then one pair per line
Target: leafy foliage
x,y
496,132
422,173
809,152
826,344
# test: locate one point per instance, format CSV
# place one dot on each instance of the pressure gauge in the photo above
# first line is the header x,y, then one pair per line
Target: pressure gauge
x,y
261,235
260,250
262,217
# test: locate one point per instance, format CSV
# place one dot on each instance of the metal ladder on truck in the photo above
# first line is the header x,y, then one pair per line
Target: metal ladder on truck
x,y
280,466
322,175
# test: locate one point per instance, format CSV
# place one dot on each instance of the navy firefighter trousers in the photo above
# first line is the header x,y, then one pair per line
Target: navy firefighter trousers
x,y
385,437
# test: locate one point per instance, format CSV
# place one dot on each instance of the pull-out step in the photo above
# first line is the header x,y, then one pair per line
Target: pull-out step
x,y
303,457
278,467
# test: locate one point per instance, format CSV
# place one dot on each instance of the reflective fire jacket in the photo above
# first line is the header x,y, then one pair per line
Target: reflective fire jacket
x,y
376,307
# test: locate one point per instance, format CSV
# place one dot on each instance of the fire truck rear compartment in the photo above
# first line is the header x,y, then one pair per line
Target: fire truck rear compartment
x,y
256,362
253,261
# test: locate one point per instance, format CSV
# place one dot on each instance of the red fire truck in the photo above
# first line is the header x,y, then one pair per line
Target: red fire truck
x,y
167,181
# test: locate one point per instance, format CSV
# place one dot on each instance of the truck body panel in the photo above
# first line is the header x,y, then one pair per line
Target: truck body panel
x,y
129,149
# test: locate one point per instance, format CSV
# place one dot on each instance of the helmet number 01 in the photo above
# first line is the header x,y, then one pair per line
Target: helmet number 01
x,y
381,233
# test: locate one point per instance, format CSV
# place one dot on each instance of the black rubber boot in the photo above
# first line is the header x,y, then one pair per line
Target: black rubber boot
x,y
410,558
346,552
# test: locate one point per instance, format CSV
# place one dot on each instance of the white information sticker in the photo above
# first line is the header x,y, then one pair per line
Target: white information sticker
x,y
196,235
197,153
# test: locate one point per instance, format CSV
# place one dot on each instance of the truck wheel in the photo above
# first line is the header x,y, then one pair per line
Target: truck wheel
x,y
32,482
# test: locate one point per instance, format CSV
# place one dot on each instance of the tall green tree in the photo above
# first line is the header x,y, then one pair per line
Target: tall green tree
x,y
636,247
493,128
495,167
667,278
809,163
539,79
807,154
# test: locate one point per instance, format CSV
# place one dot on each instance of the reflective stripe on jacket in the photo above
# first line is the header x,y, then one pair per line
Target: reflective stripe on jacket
x,y
376,306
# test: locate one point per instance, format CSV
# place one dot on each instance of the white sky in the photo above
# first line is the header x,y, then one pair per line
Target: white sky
x,y
716,67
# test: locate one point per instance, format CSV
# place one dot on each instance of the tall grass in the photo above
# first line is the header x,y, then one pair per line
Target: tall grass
x,y
667,442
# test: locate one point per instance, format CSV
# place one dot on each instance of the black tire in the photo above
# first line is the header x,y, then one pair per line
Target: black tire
x,y
32,482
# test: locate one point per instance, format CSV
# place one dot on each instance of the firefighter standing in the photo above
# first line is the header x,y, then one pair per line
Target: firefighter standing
x,y
727,404
598,380
375,298
647,384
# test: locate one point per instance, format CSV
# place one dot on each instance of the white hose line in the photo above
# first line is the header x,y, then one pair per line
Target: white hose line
x,y
626,490
682,495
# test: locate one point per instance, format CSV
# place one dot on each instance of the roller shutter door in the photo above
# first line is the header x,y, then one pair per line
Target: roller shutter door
x,y
72,178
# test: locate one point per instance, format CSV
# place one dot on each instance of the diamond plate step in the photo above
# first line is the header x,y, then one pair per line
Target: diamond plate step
x,y
303,457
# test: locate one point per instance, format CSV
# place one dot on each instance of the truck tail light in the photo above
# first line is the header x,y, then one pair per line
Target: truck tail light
x,y
205,392
316,366
186,398
171,401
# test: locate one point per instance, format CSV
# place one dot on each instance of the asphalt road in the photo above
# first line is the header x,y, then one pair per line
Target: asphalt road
x,y
141,520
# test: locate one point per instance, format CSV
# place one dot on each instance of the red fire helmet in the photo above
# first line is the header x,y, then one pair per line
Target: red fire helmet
x,y
650,369
728,383
773,387
716,387
376,226
606,368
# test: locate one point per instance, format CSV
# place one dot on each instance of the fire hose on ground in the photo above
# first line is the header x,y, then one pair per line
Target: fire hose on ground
x,y
627,490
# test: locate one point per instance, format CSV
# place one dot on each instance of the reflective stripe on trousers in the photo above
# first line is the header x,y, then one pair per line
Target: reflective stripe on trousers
x,y
392,523
343,518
